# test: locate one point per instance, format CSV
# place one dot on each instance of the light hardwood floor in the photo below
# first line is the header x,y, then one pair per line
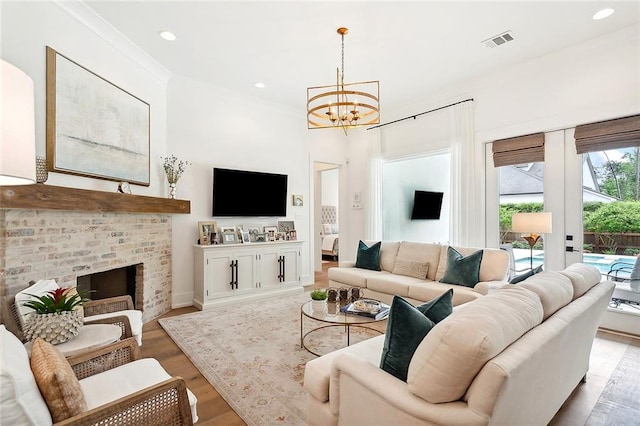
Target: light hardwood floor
x,y
213,409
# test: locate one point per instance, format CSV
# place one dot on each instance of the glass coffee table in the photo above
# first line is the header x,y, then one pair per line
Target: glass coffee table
x,y
334,319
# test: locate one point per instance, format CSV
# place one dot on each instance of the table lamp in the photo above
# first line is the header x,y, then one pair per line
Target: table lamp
x,y
17,127
534,224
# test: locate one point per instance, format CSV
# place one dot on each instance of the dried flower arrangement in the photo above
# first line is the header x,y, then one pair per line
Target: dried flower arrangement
x,y
174,167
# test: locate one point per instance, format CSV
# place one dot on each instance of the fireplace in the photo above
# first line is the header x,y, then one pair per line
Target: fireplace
x,y
113,282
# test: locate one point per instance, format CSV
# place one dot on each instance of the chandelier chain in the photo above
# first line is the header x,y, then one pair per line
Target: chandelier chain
x,y
342,58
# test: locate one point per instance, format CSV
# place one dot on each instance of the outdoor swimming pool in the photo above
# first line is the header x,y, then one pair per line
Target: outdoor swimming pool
x,y
601,261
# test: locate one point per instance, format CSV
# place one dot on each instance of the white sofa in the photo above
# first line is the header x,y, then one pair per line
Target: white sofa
x,y
384,284
511,357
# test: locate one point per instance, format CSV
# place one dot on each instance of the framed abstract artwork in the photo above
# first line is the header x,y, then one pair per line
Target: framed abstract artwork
x,y
94,128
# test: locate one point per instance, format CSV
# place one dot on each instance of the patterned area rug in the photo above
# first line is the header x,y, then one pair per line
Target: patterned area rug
x,y
251,354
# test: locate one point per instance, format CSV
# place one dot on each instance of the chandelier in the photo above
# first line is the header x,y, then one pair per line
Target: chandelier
x,y
345,105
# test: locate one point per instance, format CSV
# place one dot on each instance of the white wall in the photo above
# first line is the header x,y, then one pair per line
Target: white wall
x,y
28,27
330,187
213,127
592,81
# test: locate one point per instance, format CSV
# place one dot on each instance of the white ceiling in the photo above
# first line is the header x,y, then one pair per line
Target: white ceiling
x,y
412,48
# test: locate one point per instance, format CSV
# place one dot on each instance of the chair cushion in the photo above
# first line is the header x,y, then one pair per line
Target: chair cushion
x,y
462,270
445,363
411,268
135,320
20,400
368,256
102,388
439,308
406,327
38,289
56,381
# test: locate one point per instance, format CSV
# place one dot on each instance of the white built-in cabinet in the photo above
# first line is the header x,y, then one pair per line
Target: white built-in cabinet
x,y
229,273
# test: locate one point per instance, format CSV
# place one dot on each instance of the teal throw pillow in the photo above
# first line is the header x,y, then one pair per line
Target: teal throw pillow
x,y
368,257
519,278
462,270
406,327
439,308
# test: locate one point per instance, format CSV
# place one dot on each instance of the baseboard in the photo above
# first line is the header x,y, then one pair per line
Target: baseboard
x,y
180,300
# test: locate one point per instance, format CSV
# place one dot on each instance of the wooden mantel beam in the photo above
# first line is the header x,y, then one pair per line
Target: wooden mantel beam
x,y
49,197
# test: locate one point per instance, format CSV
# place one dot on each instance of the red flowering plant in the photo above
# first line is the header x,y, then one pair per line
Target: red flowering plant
x,y
55,301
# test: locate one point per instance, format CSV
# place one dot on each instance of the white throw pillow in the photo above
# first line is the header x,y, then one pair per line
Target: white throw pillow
x,y
326,229
38,289
20,400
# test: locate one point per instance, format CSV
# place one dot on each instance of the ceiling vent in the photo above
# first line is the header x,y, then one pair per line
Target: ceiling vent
x,y
499,40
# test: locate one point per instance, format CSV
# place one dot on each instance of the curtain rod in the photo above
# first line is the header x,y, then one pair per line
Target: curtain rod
x,y
422,113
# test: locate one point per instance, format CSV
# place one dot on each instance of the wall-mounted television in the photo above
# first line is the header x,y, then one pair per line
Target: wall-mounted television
x,y
248,193
426,205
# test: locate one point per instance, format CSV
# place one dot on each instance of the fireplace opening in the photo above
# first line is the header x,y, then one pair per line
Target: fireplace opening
x,y
115,282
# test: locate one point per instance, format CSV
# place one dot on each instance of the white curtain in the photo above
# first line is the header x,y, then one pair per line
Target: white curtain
x,y
374,196
467,179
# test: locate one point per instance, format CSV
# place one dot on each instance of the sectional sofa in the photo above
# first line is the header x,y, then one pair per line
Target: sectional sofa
x,y
397,259
509,358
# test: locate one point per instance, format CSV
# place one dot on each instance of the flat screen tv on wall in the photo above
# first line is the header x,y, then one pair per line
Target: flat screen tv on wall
x,y
248,193
426,205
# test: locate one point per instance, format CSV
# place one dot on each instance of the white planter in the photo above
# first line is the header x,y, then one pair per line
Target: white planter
x,y
319,305
53,328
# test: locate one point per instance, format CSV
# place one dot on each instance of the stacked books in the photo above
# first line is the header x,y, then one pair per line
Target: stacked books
x,y
367,308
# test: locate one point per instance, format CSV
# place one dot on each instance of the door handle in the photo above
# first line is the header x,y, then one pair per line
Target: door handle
x,y
232,275
236,261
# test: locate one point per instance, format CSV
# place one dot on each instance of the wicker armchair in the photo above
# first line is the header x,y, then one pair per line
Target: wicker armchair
x,y
165,403
10,315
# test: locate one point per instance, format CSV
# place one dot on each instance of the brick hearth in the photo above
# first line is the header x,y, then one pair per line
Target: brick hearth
x,y
37,244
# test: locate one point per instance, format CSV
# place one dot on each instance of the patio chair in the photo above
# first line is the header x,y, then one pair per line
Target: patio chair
x,y
627,279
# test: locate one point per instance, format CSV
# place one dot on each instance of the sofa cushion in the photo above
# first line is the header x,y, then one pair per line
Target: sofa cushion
x,y
317,372
56,381
462,270
354,276
20,400
582,277
392,284
388,254
110,385
439,308
406,327
411,268
428,290
494,266
553,288
447,360
531,272
422,252
368,256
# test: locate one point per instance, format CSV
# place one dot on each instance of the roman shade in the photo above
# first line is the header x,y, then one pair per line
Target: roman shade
x,y
518,150
611,134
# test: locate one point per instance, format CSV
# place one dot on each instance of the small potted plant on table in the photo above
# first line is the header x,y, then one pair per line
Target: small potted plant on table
x,y
57,316
319,300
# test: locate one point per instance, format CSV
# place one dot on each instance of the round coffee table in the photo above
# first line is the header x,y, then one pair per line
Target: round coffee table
x,y
339,319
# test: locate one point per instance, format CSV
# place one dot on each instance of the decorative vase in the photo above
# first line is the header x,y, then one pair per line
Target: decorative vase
x,y
319,305
172,191
41,170
54,328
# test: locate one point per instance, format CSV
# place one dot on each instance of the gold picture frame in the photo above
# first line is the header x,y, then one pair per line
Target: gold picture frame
x,y
208,232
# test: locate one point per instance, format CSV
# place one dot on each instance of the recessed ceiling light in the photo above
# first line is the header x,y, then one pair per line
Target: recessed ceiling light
x,y
260,85
604,13
167,35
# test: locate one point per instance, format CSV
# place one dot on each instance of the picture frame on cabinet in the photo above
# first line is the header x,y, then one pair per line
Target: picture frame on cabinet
x,y
270,232
246,237
261,238
229,237
285,225
224,229
207,232
293,235
281,236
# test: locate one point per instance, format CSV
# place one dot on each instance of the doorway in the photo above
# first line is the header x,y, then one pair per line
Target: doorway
x,y
326,212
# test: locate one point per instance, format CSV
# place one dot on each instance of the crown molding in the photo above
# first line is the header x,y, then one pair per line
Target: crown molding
x,y
96,23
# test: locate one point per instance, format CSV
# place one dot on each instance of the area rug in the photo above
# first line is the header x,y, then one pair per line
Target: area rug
x,y
251,354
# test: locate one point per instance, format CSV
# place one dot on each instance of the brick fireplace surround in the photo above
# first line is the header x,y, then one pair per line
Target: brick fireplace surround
x,y
63,244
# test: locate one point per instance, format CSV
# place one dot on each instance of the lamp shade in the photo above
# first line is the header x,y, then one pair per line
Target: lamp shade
x,y
17,127
533,223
